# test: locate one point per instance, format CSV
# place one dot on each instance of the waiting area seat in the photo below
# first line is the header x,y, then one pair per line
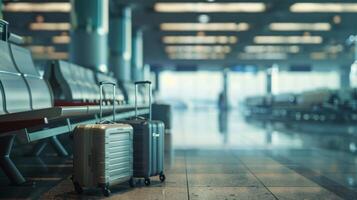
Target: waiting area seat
x,y
27,102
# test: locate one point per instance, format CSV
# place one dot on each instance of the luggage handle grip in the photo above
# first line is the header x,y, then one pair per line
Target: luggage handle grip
x,y
101,86
137,83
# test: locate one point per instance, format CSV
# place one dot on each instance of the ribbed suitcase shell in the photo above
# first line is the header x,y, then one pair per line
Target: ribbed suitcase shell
x,y
103,154
148,147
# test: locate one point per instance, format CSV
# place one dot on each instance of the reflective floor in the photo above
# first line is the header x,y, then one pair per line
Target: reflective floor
x,y
212,155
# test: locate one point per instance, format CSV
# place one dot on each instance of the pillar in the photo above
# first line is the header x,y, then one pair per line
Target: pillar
x,y
157,80
89,31
269,81
146,72
1,7
272,80
353,69
137,72
120,44
225,88
345,72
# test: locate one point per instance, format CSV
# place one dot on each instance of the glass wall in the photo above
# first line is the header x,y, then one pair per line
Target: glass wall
x,y
201,88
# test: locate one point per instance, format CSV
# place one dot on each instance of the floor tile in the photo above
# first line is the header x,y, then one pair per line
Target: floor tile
x,y
269,169
284,179
216,169
306,193
222,180
230,193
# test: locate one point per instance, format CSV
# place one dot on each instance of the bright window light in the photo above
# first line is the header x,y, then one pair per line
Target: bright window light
x,y
38,7
270,48
199,39
197,48
50,26
300,26
324,7
204,27
247,7
288,39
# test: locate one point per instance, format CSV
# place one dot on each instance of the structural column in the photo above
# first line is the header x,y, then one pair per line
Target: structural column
x,y
157,80
137,64
89,32
1,7
225,88
272,78
146,72
120,44
345,72
269,81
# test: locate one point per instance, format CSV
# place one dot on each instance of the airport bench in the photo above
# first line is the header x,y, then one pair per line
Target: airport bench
x,y
27,108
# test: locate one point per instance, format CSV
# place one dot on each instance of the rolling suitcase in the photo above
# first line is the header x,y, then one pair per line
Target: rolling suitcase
x,y
103,153
148,143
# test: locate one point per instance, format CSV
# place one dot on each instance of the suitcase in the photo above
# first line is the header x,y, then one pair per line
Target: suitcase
x,y
103,153
162,112
148,144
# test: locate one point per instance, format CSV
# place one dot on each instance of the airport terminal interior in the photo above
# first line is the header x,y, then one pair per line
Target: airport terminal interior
x,y
173,99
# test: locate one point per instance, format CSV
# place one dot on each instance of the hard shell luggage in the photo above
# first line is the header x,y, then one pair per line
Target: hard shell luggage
x,y
103,153
148,143
162,112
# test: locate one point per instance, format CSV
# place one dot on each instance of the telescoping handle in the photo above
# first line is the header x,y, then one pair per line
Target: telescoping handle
x,y
101,86
136,97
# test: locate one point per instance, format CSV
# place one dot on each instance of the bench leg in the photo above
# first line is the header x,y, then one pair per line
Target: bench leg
x,y
39,147
6,163
61,151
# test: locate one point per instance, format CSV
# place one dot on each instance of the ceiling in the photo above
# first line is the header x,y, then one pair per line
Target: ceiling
x,y
332,51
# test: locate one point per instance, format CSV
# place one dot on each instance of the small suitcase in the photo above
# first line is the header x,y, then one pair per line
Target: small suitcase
x,y
162,112
148,144
103,153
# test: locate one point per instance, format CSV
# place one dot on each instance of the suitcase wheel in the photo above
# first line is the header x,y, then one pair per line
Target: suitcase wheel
x,y
77,188
147,181
162,177
132,182
106,191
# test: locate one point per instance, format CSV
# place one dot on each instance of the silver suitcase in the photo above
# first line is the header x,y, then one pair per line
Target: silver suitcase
x,y
103,154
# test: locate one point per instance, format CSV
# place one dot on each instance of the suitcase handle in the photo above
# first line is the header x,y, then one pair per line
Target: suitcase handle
x,y
101,86
4,30
137,83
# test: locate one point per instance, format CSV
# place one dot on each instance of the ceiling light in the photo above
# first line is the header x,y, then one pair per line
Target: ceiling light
x,y
51,55
204,27
271,49
50,26
199,39
288,39
263,56
203,18
324,7
61,39
198,49
337,19
41,49
318,55
210,7
38,7
300,26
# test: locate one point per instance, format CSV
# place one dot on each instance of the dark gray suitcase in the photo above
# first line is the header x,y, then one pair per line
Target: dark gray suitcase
x,y
162,112
103,154
148,144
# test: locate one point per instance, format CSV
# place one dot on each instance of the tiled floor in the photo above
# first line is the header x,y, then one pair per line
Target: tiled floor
x,y
209,158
